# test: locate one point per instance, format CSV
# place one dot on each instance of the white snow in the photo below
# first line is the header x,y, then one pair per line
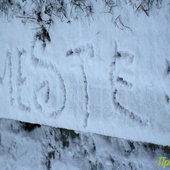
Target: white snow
x,y
23,150
115,83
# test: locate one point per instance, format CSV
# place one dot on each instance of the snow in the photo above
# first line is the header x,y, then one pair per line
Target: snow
x,y
96,75
21,149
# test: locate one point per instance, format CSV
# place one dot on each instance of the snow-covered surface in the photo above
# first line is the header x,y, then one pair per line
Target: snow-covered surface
x,y
107,73
48,148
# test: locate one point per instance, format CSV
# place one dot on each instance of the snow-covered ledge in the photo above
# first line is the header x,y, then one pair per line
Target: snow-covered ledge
x,y
96,74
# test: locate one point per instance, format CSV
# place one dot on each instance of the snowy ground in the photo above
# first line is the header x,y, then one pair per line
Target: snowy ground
x,y
105,72
48,148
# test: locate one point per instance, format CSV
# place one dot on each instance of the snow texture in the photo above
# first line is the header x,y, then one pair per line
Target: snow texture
x,y
25,146
106,73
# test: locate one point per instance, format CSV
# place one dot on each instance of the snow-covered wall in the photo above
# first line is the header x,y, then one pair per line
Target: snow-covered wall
x,y
107,73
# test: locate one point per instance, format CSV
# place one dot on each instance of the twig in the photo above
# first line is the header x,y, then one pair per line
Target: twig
x,y
121,23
